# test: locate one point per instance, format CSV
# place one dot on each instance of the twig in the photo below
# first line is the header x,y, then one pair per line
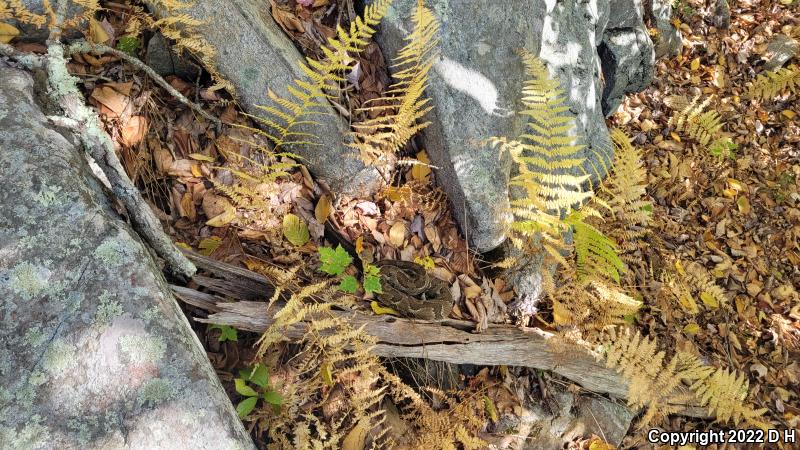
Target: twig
x,y
63,91
88,47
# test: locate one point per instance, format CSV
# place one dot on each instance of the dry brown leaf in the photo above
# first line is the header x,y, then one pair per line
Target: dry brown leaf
x,y
397,234
323,209
133,131
97,33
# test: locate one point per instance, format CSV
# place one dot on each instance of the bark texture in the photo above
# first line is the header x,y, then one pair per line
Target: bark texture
x,y
94,351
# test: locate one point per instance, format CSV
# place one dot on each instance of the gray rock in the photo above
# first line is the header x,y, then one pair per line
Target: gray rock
x,y
722,14
567,417
669,41
255,56
626,53
780,49
94,350
162,58
475,89
31,33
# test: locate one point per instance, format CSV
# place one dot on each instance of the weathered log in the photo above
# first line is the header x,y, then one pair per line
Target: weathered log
x,y
449,341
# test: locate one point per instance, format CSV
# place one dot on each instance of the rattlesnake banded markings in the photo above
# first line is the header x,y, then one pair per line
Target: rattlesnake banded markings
x,y
409,290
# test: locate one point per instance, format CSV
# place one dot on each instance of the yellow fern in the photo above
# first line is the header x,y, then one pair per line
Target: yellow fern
x,y
722,391
591,306
545,157
388,133
705,127
770,84
285,123
623,194
654,383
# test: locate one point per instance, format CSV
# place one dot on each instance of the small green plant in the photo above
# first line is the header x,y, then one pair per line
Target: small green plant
x,y
336,261
258,376
226,333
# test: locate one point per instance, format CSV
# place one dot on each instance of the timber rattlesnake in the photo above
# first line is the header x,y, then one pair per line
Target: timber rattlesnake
x,y
409,290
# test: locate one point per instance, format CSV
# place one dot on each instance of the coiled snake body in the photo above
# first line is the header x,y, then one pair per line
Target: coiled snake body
x,y
409,290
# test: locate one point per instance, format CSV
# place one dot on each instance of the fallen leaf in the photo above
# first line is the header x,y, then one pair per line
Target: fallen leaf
x,y
789,114
695,64
7,33
421,171
691,329
743,204
201,157
323,208
295,230
357,437
222,219
133,131
397,234
378,309
97,33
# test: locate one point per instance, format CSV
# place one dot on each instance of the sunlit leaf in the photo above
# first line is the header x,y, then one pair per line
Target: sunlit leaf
x,y
243,389
295,230
378,309
246,406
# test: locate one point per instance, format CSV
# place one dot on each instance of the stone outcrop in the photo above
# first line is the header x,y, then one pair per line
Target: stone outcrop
x,y
626,53
475,87
254,55
94,350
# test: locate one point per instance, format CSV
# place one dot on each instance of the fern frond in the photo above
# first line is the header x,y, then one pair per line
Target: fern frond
x,y
653,385
705,127
773,83
388,133
722,391
591,306
595,254
622,194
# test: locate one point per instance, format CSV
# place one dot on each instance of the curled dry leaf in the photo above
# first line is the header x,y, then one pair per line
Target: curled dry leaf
x,y
397,234
133,131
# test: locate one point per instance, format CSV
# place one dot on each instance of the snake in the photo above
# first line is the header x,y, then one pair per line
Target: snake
x,y
408,289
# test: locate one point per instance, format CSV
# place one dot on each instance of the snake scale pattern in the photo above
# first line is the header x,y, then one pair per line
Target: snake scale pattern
x,y
409,290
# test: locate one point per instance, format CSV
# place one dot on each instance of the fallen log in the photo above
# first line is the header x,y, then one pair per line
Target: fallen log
x,y
450,340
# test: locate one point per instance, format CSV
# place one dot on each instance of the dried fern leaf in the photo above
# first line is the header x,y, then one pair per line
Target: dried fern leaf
x,y
403,107
771,84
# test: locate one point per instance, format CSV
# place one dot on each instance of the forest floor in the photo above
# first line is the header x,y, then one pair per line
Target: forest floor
x,y
735,218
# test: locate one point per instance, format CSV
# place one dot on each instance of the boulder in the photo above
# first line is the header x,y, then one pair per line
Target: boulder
x,y
163,59
255,55
475,90
626,53
94,350
780,49
669,40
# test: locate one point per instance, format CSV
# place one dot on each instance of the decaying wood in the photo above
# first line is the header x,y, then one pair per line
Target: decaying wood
x,y
450,341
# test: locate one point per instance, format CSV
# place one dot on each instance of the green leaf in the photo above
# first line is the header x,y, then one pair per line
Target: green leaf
x,y
128,44
246,406
207,246
372,279
246,373
227,333
260,375
334,261
243,389
273,398
348,284
295,230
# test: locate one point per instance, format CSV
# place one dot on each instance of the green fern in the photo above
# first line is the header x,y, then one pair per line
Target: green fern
x,y
771,84
595,254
